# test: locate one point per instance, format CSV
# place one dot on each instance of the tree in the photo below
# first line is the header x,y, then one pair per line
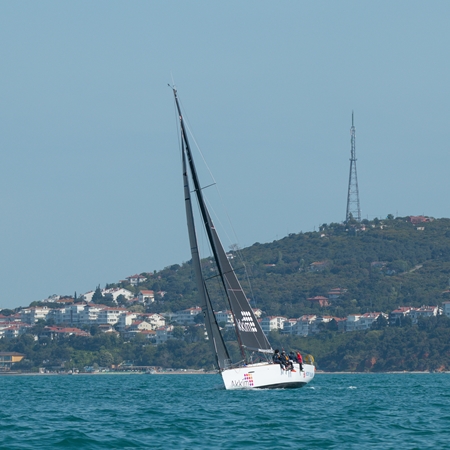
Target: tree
x,y
380,323
98,296
137,308
105,358
178,332
199,318
121,300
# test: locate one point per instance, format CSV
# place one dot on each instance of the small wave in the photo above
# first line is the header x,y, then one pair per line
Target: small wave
x,y
352,387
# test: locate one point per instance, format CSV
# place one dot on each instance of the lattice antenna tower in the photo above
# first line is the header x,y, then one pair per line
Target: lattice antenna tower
x,y
353,209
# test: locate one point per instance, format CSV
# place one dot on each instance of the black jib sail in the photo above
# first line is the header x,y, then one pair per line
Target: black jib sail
x,y
249,332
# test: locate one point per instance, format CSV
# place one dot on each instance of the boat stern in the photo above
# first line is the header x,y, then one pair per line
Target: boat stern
x,y
267,376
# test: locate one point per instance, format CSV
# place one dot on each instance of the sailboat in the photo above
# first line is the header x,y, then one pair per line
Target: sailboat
x,y
244,374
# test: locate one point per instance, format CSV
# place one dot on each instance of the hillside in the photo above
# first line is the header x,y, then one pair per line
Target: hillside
x,y
378,265
381,264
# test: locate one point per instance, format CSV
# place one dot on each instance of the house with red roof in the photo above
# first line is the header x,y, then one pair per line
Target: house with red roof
x,y
146,296
399,314
336,293
54,332
418,219
134,280
318,266
11,330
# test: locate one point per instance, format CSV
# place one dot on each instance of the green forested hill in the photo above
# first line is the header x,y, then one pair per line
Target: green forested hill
x,y
382,264
388,264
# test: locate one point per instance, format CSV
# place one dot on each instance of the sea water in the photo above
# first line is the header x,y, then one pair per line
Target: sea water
x,y
341,411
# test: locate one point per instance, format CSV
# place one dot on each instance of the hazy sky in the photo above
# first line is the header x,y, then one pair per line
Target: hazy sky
x,y
91,188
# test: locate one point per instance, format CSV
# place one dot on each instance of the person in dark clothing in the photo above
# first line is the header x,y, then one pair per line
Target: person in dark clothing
x,y
289,365
277,359
292,357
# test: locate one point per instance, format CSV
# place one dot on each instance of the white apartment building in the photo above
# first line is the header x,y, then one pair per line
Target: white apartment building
x,y
353,322
359,322
33,314
90,314
110,316
125,320
446,308
12,330
156,320
304,324
224,317
398,314
288,325
72,313
368,319
79,314
271,323
423,311
186,316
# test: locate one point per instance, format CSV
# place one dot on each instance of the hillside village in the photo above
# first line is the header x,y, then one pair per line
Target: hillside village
x,y
64,316
161,307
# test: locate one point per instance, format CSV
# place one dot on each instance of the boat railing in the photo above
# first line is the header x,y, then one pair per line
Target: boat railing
x,y
228,364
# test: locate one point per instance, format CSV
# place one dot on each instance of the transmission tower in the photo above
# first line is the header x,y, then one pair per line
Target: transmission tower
x,y
353,209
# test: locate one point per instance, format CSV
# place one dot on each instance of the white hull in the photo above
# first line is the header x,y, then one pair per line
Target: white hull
x,y
262,375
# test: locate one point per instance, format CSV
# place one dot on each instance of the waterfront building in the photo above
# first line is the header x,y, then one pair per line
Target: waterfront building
x,y
7,359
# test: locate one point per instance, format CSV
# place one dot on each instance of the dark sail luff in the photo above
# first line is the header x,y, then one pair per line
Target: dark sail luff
x,y
212,328
250,334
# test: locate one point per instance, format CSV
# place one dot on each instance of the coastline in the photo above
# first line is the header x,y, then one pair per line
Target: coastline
x,y
123,372
198,372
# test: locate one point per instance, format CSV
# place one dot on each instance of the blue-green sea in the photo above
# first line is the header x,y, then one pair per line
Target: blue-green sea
x,y
342,411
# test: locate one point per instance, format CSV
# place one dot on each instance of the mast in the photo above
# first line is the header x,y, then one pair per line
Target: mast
x,y
212,327
248,331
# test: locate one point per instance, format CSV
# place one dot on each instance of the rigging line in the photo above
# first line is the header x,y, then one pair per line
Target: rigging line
x,y
225,272
203,188
204,247
188,128
211,208
238,251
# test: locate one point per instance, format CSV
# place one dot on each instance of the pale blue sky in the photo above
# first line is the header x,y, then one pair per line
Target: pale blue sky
x,y
91,189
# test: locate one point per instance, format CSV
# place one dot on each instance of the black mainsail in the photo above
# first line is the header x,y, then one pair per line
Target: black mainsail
x,y
248,330
212,327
